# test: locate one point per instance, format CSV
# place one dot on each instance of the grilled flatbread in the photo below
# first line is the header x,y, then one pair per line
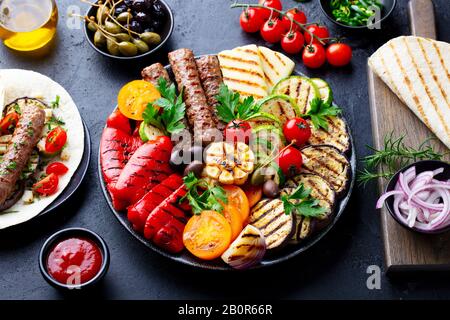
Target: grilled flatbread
x,y
243,72
417,70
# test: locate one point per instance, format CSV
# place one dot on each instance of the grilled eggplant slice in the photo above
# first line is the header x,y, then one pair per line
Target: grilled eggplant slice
x,y
327,162
320,190
336,136
20,103
277,227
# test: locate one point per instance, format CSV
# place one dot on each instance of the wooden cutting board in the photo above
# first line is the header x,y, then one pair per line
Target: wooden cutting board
x,y
404,249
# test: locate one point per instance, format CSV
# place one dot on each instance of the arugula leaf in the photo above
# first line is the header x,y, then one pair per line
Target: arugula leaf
x,y
170,120
320,111
301,202
211,198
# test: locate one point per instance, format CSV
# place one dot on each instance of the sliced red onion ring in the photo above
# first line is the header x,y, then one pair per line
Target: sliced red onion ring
x,y
420,201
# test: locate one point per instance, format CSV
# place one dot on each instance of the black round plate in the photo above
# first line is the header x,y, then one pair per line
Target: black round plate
x,y
78,176
282,255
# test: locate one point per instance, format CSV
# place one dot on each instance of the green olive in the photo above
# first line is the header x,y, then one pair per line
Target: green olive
x,y
113,47
258,177
102,13
141,45
91,26
151,38
122,37
128,49
111,27
124,17
99,39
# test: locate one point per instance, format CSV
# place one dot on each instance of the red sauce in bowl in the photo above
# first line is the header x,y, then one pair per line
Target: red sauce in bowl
x,y
74,261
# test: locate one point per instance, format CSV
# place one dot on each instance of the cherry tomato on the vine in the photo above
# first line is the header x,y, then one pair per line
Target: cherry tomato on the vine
x,y
314,56
272,30
251,20
292,42
290,161
296,15
319,31
297,130
265,13
238,131
339,54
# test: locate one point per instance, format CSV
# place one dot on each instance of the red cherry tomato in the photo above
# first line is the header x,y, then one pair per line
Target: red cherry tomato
x,y
265,13
118,121
298,130
9,122
272,31
290,161
238,131
57,168
55,141
314,56
339,54
296,15
319,31
292,42
251,20
47,186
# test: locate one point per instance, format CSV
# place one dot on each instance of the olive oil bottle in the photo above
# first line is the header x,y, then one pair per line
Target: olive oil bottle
x,y
27,25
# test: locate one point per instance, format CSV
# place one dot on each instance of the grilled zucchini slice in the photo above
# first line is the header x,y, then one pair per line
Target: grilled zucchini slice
x,y
269,217
281,106
301,89
329,163
337,134
320,190
324,90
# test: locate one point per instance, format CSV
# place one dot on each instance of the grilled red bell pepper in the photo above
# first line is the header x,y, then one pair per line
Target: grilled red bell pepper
x,y
118,121
116,148
148,166
138,213
165,224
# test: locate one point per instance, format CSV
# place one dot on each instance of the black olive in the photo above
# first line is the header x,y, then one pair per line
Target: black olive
x,y
196,167
142,18
129,3
271,189
136,26
142,5
176,159
196,153
121,8
155,25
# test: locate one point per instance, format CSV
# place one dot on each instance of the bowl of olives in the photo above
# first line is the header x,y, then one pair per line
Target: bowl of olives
x,y
128,29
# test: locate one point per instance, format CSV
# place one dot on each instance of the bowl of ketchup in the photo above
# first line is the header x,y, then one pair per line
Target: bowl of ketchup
x,y
74,258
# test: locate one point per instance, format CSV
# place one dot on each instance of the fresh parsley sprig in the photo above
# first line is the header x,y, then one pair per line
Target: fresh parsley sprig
x,y
55,104
211,198
232,107
170,117
301,203
320,111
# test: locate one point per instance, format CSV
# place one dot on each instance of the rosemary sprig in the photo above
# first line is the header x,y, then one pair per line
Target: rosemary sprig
x,y
393,156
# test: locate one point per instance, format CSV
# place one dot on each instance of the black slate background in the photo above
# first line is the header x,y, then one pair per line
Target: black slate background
x,y
333,269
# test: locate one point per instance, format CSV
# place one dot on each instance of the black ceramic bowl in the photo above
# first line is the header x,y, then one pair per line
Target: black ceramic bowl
x,y
421,166
63,235
165,33
388,8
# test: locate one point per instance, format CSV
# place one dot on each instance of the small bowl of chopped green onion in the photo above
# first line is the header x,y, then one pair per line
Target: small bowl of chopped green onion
x,y
358,14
